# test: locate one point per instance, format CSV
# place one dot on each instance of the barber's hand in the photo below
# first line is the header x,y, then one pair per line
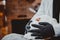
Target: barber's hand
x,y
44,30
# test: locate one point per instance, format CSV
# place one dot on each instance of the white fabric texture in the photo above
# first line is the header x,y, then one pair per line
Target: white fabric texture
x,y
14,36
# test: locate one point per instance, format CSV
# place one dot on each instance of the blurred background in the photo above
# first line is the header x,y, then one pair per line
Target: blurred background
x,y
15,14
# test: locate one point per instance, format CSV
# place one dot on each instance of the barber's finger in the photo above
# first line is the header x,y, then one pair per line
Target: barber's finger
x,y
36,34
43,23
37,26
39,37
36,30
